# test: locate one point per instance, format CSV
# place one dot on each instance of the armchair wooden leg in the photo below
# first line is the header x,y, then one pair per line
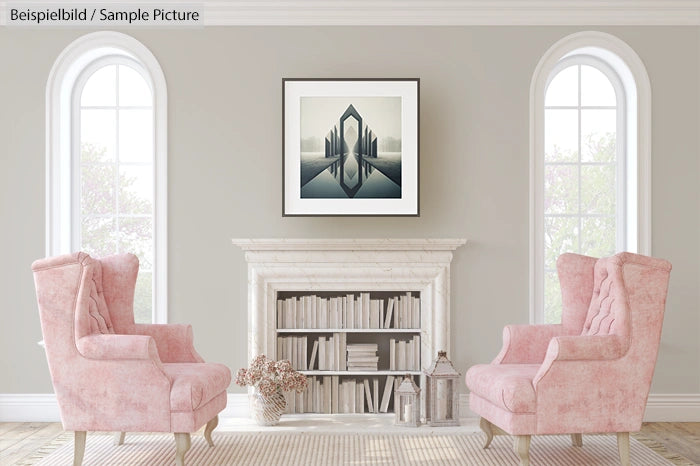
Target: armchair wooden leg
x,y
522,448
577,440
182,442
487,428
623,447
79,447
211,425
119,438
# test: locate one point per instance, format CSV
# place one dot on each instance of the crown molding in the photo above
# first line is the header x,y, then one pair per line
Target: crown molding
x,y
430,12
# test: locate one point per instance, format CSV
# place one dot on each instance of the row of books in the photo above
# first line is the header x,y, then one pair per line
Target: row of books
x,y
348,312
404,355
327,353
335,354
331,395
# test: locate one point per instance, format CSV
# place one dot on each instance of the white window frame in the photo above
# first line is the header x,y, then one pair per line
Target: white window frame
x,y
61,142
622,61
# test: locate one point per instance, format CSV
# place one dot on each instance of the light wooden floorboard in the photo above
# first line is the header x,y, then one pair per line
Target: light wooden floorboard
x,y
681,438
25,438
20,440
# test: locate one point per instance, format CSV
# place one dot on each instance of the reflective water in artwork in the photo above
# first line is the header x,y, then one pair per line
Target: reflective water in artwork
x,y
349,154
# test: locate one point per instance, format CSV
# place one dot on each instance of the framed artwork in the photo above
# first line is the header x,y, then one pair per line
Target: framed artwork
x,y
350,147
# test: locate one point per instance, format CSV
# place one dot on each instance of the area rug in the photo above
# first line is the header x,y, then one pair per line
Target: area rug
x,y
304,449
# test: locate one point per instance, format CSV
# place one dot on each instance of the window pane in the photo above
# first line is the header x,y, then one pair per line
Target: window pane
x,y
143,306
561,189
552,298
98,128
100,88
563,89
596,88
133,89
97,182
98,235
560,236
598,135
136,136
560,135
136,237
135,189
598,189
598,236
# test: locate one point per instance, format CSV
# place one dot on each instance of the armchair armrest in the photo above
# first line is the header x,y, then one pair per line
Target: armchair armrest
x,y
118,347
584,349
175,342
526,344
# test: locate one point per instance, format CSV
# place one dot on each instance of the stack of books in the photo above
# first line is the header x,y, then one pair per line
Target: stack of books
x,y
362,357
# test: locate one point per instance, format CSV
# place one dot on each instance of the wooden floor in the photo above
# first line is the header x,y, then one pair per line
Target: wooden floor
x,y
19,440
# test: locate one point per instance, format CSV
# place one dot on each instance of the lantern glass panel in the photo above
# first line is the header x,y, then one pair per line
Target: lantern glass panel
x,y
444,399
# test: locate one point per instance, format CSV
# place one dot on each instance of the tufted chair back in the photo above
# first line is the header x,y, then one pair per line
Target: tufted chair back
x,y
92,315
608,312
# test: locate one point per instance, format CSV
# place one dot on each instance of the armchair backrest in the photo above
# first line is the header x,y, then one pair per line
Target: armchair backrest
x,y
75,293
626,303
608,312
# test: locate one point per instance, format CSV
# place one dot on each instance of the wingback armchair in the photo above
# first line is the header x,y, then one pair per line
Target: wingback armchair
x,y
111,374
592,372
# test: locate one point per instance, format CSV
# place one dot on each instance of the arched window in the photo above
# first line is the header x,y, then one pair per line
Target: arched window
x,y
589,100
106,155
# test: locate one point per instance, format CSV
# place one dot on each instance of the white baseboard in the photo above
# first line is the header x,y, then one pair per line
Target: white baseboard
x,y
673,407
30,407
42,407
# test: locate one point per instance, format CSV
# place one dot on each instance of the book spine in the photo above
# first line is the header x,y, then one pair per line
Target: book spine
x,y
381,313
375,394
416,313
322,357
392,354
368,396
280,314
351,311
416,353
334,394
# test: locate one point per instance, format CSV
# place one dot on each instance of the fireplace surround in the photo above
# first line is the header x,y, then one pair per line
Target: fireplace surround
x,y
316,265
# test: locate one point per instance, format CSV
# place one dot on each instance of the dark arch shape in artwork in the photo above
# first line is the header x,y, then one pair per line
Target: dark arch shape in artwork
x,y
350,112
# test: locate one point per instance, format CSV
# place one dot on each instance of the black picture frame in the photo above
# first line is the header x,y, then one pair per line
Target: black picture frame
x,y
379,175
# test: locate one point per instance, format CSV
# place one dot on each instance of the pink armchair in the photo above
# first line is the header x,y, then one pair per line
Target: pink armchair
x,y
592,372
110,374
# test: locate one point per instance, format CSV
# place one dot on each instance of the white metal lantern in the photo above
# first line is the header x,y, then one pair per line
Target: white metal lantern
x,y
442,397
407,403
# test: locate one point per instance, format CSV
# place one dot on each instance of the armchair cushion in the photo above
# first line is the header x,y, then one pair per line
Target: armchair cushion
x,y
195,384
508,386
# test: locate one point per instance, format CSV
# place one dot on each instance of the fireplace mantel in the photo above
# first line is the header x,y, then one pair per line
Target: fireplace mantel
x,y
349,265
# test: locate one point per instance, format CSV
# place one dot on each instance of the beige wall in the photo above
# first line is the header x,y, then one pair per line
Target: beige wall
x,y
225,172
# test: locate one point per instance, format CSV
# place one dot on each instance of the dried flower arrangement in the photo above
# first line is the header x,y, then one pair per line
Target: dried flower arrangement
x,y
270,376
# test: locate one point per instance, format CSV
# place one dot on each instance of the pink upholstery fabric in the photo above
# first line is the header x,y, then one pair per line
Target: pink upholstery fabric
x,y
195,384
595,375
108,373
175,341
508,386
526,344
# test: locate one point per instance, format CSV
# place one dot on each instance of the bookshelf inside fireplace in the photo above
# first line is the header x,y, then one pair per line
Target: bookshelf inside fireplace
x,y
338,320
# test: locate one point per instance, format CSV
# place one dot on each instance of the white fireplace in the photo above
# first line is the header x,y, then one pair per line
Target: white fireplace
x,y
278,265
